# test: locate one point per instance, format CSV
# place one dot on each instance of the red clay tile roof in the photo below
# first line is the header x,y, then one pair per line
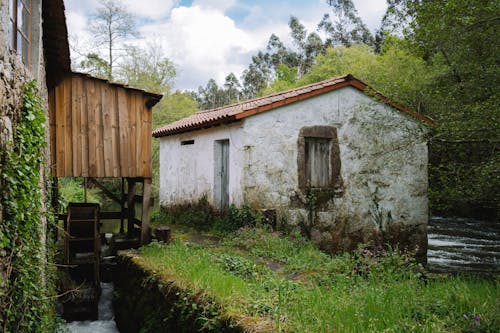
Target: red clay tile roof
x,y
235,112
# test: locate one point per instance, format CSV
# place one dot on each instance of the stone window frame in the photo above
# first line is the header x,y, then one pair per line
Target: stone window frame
x,y
320,132
20,35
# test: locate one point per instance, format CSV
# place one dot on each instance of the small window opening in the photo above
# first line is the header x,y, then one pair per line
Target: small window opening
x,y
318,159
187,142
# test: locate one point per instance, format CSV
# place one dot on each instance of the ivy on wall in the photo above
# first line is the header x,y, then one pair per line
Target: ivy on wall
x,y
25,305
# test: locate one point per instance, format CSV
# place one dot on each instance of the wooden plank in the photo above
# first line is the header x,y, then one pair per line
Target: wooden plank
x,y
60,124
100,172
84,127
76,123
115,133
68,149
113,215
146,141
133,135
130,207
92,128
137,99
107,105
145,229
123,131
52,122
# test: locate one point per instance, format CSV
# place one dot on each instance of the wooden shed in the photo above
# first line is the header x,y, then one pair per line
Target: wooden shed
x,y
101,129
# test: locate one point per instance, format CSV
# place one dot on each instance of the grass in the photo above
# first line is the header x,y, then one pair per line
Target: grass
x,y
286,281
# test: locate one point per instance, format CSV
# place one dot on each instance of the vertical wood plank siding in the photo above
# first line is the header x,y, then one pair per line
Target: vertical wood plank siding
x,y
99,130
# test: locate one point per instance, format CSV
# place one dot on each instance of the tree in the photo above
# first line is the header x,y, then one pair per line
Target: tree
x,y
257,76
110,25
346,27
309,46
148,69
232,88
95,65
461,39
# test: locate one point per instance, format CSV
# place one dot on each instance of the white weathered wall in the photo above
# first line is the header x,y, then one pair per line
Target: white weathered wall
x,y
383,153
187,172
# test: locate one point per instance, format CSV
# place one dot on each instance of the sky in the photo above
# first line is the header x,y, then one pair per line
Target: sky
x,y
211,38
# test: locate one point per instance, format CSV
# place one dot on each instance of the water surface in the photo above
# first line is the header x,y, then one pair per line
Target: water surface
x,y
105,322
463,245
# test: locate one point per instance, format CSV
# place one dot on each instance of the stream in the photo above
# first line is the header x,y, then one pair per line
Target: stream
x,y
106,322
459,244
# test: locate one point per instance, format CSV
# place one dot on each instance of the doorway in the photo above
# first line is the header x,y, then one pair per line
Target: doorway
x,y
221,174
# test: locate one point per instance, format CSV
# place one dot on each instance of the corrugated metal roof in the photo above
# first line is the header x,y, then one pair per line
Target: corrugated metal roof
x,y
231,113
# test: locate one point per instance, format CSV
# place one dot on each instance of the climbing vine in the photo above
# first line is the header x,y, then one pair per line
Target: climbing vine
x,y
24,298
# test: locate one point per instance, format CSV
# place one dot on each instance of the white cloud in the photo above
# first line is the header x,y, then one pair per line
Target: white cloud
x,y
371,11
151,9
221,5
202,42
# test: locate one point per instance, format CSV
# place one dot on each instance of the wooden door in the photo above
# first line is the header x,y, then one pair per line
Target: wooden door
x,y
221,174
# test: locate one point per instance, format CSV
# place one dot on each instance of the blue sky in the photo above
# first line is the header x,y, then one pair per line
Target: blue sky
x,y
211,38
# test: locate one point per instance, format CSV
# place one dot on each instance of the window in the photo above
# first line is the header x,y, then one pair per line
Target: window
x,y
317,162
318,159
20,28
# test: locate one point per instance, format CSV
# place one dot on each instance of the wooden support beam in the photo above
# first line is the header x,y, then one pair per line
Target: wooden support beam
x,y
102,215
145,230
110,194
130,207
122,206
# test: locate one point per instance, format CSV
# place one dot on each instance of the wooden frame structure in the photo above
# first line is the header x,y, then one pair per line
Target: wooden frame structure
x,y
101,129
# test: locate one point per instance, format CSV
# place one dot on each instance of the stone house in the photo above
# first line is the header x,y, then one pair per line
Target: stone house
x,y
335,159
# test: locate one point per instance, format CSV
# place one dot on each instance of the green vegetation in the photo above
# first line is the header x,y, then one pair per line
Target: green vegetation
x,y
289,284
26,291
203,217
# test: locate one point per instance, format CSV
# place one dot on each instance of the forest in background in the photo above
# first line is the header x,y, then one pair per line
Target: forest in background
x,y
438,58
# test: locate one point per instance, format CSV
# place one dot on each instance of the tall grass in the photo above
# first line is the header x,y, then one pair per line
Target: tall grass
x,y
307,291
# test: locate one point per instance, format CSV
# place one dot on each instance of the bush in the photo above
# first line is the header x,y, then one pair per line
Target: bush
x,y
202,216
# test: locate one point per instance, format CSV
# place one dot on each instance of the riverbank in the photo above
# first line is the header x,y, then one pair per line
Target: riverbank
x,y
286,284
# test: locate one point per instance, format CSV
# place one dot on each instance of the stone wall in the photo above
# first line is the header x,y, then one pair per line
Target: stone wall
x,y
146,301
13,77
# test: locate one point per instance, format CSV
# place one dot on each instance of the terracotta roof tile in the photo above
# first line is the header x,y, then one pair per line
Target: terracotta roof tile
x,y
231,113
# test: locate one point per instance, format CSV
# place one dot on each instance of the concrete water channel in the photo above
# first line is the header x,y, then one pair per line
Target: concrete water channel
x,y
455,245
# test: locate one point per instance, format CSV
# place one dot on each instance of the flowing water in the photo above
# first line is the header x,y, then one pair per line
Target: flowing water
x,y
463,245
106,322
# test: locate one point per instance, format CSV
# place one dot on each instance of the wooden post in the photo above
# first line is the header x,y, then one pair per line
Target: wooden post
x,y
122,206
85,189
131,207
146,201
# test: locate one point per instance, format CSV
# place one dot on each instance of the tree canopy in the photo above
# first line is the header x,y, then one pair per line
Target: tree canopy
x,y
436,57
